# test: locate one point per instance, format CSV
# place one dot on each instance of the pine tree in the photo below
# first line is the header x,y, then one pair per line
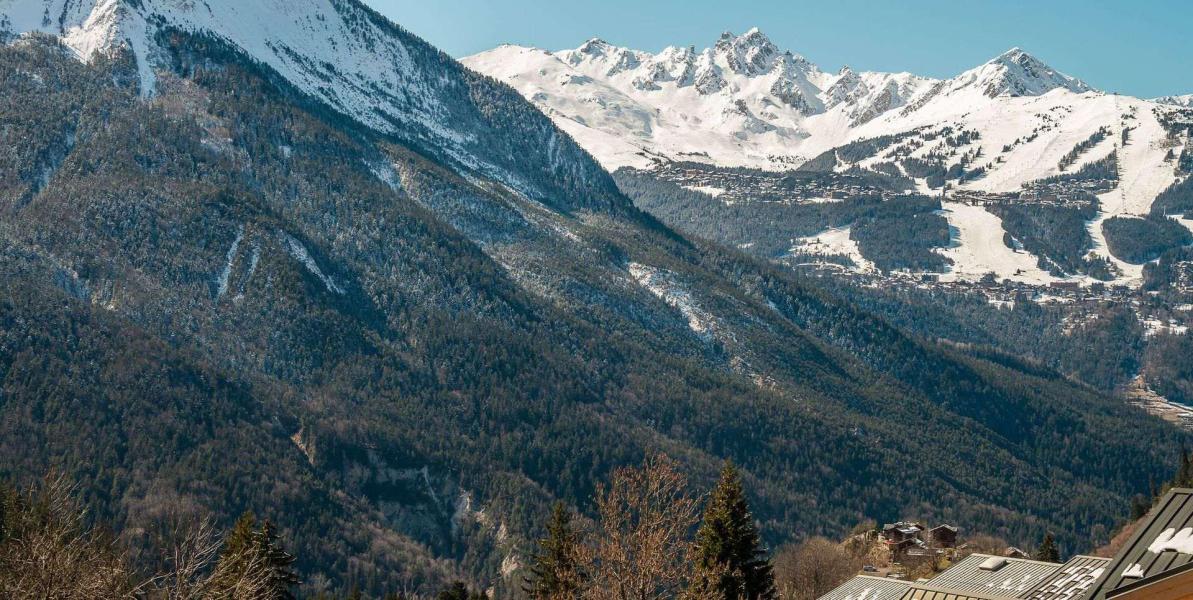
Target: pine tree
x,y
459,591
241,535
728,549
277,564
1047,551
456,591
1184,475
236,559
554,570
1139,507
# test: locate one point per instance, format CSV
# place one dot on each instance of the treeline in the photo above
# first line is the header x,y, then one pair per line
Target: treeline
x,y
651,538
1176,200
904,234
1164,275
1104,350
1103,169
49,550
1169,367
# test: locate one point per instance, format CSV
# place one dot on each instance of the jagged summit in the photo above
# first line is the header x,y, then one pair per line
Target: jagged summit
x,y
1017,73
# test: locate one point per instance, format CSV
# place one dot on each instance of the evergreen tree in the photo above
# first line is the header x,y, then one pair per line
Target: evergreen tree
x,y
1047,551
459,591
241,535
728,549
277,563
1139,507
236,559
554,569
1184,475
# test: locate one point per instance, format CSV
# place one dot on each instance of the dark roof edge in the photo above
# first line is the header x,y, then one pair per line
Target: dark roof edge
x,y
1146,581
1116,563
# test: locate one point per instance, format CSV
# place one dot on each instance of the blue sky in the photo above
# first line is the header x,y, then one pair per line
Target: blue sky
x,y
1141,47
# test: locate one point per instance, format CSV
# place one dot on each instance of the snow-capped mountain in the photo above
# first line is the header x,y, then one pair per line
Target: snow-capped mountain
x,y
338,52
743,102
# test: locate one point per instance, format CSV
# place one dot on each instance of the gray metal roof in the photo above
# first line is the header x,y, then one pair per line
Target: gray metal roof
x,y
927,592
866,587
1162,546
1010,577
1071,581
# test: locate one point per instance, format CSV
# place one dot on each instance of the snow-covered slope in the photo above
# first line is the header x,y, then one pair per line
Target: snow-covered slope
x,y
338,52
743,102
358,59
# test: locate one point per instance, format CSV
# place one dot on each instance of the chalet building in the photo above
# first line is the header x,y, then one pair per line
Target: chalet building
x,y
1013,552
943,536
903,531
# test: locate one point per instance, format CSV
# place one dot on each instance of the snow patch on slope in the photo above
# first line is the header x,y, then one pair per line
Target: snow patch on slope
x,y
302,255
663,285
226,273
833,242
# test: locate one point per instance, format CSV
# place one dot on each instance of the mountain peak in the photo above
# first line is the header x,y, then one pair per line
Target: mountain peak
x,y
593,46
756,34
753,38
1017,73
751,53
1012,54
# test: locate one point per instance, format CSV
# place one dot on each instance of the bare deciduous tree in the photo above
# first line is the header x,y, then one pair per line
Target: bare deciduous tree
x,y
49,552
640,549
813,568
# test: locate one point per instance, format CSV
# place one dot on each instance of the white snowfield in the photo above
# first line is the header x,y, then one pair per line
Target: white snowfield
x,y
745,102
979,249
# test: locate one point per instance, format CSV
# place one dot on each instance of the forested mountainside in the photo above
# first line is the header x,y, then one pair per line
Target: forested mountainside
x,y
232,294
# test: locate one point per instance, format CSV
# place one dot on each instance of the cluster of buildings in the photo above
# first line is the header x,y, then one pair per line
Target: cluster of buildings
x,y
907,538
738,186
1072,194
1155,564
